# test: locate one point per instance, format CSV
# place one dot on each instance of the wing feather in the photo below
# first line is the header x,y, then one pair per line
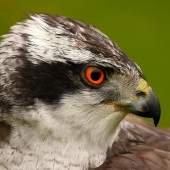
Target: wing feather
x,y
140,146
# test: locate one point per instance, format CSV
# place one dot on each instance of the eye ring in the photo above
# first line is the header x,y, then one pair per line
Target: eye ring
x,y
95,75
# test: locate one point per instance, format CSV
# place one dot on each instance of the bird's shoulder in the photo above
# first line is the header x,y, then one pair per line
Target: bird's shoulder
x,y
140,146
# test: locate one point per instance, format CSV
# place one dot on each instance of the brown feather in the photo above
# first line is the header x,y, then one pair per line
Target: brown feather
x,y
143,148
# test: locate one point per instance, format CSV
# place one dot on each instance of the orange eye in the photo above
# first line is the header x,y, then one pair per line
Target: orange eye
x,y
95,75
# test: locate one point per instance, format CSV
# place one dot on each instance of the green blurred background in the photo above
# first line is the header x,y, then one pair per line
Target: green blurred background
x,y
140,28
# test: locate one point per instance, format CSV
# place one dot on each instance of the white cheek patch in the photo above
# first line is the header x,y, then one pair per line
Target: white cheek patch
x,y
77,131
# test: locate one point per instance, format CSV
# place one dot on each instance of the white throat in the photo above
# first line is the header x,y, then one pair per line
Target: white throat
x,y
52,141
26,151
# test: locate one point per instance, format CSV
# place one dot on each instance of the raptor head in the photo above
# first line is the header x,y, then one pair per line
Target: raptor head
x,y
69,82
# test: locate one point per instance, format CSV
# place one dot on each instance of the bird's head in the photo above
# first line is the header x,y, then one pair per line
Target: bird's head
x,y
68,79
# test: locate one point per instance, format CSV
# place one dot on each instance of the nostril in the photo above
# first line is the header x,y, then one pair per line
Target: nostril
x,y
140,93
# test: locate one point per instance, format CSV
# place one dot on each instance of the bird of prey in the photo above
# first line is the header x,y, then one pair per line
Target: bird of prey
x,y
66,94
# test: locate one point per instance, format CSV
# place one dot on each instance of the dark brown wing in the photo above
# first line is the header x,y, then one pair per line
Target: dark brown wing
x,y
140,147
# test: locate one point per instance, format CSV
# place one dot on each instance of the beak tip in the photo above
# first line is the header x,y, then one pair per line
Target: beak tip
x,y
155,109
156,121
157,115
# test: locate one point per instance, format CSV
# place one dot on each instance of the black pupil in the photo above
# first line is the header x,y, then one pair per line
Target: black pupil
x,y
95,75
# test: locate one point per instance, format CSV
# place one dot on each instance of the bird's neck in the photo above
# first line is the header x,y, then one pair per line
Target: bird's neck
x,y
47,139
27,150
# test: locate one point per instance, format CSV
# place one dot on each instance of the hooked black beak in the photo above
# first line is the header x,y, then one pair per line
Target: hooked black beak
x,y
149,107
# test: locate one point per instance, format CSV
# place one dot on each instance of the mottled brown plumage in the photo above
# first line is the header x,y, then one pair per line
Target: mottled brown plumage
x,y
144,147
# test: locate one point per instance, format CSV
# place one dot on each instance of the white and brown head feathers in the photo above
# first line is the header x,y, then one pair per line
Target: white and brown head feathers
x,y
52,117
